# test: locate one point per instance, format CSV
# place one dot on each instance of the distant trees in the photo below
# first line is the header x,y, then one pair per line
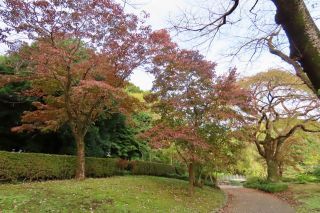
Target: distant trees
x,y
81,56
281,106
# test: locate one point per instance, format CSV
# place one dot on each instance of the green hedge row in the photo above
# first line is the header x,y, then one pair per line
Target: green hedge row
x,y
33,166
154,169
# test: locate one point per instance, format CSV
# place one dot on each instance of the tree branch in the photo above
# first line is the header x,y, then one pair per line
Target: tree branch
x,y
299,70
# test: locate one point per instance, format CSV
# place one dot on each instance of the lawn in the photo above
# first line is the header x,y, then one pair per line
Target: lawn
x,y
115,194
308,196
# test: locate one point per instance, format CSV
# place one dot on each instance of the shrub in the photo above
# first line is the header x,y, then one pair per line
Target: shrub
x,y
316,172
31,166
123,164
263,185
150,168
34,166
305,178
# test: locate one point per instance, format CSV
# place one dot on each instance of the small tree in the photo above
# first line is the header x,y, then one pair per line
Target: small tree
x,y
186,141
82,54
281,105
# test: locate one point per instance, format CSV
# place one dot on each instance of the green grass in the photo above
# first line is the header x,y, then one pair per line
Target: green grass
x,y
115,194
308,195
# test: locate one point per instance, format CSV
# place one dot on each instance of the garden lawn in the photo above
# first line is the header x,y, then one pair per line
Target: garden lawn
x,y
114,194
308,196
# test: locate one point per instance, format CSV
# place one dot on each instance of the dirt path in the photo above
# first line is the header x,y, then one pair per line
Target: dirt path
x,y
243,200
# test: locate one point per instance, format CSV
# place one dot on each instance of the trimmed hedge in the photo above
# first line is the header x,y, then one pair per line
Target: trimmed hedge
x,y
154,169
263,185
34,166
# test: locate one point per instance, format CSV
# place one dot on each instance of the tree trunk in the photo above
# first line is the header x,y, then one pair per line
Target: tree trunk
x,y
303,36
191,178
280,165
80,172
273,170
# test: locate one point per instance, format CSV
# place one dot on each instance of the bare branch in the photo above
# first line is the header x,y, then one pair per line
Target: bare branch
x,y
216,24
298,69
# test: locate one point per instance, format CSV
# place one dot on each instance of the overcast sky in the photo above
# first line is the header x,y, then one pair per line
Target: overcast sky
x,y
160,12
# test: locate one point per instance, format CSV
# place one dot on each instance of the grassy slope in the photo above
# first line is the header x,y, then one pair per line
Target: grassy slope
x,y
115,194
308,195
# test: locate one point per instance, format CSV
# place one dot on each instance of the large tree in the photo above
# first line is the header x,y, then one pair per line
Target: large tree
x,y
82,53
281,106
293,16
187,94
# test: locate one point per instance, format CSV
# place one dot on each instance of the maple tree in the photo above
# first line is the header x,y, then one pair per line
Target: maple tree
x,y
281,106
187,94
81,56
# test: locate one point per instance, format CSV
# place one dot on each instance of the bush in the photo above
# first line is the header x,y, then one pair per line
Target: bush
x,y
150,168
33,166
263,185
305,178
316,172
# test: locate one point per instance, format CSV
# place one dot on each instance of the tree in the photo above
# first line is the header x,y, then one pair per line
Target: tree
x,y
294,17
223,154
81,56
114,136
281,106
187,95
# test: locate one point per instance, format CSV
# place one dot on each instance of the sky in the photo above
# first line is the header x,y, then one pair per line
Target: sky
x,y
162,11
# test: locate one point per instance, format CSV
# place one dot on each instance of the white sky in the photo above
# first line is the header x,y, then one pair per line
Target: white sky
x,y
160,12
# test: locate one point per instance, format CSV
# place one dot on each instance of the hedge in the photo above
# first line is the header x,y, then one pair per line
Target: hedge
x,y
154,169
34,166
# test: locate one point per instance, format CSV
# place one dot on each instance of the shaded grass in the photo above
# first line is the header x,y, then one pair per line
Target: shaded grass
x,y
115,194
308,195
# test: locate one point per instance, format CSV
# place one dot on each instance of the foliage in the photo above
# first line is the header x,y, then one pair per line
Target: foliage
x,y
187,95
250,163
113,135
78,62
302,178
281,106
116,137
225,151
131,88
306,178
31,166
263,185
115,194
155,169
316,172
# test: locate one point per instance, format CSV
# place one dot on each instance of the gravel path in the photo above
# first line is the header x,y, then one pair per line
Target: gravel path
x,y
243,200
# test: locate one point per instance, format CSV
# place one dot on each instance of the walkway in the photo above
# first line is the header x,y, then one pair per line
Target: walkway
x,y
243,200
